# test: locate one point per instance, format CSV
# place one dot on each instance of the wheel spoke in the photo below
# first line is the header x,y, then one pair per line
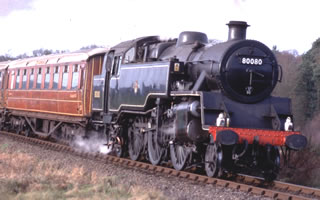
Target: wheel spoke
x,y
272,171
179,155
135,142
155,151
213,159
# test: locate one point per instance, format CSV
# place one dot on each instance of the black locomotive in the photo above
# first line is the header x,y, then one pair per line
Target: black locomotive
x,y
196,103
185,101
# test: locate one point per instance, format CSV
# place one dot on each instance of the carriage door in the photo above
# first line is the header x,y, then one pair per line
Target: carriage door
x,y
108,66
2,100
100,85
114,97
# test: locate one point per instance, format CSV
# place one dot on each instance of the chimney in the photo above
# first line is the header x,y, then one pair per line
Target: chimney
x,y
237,30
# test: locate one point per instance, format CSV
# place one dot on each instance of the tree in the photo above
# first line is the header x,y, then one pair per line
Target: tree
x,y
307,89
41,52
21,56
5,57
305,94
90,47
289,63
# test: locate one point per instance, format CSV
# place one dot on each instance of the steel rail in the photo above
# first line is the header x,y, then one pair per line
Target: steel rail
x,y
244,183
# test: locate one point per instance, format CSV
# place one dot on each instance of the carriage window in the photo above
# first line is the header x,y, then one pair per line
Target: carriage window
x,y
39,79
12,79
56,77
65,77
0,80
75,77
24,79
82,76
31,78
47,78
129,57
2,76
18,79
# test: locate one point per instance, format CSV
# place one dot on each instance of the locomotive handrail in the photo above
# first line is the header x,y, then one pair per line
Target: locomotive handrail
x,y
281,73
199,81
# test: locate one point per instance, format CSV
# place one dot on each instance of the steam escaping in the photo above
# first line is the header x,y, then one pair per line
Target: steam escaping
x,y
104,149
91,145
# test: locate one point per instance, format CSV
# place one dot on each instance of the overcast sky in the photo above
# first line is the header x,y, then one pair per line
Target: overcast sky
x,y
27,25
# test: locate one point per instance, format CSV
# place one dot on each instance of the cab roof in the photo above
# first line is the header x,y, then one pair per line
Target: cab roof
x,y
124,46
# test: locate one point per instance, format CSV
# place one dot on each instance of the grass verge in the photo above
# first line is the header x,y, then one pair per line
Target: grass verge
x,y
23,176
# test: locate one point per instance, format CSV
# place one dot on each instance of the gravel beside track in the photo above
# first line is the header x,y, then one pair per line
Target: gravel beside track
x,y
170,187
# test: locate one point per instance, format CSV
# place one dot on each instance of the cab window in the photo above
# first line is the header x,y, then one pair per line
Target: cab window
x,y
116,65
130,55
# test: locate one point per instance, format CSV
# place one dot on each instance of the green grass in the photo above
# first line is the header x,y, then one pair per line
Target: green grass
x,y
24,177
35,188
4,147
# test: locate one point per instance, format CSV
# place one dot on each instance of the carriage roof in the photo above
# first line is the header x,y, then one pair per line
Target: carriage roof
x,y
79,56
4,65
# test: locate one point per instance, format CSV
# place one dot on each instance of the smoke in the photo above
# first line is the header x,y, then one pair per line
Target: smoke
x,y
238,2
7,6
91,145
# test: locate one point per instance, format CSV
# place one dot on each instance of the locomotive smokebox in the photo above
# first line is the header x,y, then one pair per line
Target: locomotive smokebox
x,y
237,30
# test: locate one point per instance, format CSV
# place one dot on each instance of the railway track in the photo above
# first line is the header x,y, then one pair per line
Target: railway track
x,y
249,184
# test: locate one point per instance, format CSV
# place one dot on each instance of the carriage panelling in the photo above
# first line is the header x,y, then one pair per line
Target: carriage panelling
x,y
66,102
72,97
58,102
3,84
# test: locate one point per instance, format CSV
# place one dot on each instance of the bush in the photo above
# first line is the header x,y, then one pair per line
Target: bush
x,y
306,163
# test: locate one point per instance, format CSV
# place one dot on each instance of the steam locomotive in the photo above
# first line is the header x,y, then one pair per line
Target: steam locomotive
x,y
185,100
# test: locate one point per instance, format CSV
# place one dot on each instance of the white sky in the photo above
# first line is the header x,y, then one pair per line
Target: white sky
x,y
27,25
